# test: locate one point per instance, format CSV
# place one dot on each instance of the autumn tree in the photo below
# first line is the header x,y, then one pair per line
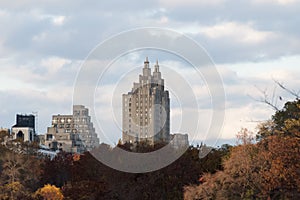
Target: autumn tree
x,y
49,192
11,175
268,169
57,171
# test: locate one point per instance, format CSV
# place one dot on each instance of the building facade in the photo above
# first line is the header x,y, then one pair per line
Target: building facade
x,y
24,129
85,127
146,109
72,133
62,135
179,140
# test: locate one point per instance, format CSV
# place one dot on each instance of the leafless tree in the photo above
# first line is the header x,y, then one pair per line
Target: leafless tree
x,y
273,99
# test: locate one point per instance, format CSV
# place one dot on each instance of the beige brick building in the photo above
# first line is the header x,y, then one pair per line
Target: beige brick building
x,y
72,133
146,109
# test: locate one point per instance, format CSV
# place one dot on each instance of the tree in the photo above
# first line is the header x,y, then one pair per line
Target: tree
x,y
279,167
13,190
58,170
268,169
13,164
49,192
286,119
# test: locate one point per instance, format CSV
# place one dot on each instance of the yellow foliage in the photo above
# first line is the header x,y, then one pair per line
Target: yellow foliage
x,y
49,192
290,123
14,186
76,157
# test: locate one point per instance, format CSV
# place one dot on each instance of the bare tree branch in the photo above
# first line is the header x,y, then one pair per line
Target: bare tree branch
x,y
265,99
296,94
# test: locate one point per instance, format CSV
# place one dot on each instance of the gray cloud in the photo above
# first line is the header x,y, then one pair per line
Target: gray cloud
x,y
42,44
88,24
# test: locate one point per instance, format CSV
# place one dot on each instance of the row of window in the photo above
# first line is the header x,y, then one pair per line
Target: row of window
x,y
61,120
83,112
69,120
140,98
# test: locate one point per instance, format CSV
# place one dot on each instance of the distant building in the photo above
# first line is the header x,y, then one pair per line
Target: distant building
x,y
24,129
72,133
85,127
179,140
146,109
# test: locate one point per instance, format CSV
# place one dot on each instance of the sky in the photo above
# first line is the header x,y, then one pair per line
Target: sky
x,y
44,44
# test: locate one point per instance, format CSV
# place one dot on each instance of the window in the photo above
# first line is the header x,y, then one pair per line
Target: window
x,y
49,136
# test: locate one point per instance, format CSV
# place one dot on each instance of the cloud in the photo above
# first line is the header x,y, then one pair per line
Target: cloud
x,y
42,45
242,33
59,20
280,2
188,3
41,74
54,64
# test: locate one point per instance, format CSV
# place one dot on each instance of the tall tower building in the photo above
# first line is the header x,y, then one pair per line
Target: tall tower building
x,y
146,109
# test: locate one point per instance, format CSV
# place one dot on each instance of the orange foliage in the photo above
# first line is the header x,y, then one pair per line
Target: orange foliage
x,y
49,192
76,157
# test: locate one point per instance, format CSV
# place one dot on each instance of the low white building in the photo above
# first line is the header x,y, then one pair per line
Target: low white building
x,y
23,133
24,129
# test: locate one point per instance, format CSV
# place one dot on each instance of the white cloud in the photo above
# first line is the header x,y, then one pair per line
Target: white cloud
x,y
40,15
242,33
244,116
42,44
4,13
58,20
54,64
178,3
163,20
40,37
280,2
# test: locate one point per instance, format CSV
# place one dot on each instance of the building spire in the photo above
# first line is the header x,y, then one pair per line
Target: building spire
x,y
146,63
156,66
